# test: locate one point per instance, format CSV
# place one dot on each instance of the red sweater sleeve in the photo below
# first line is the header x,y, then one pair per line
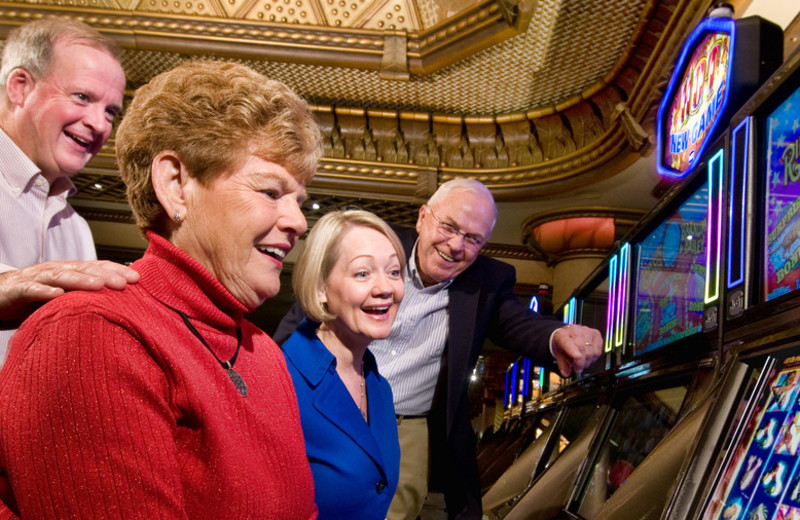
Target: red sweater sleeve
x,y
90,433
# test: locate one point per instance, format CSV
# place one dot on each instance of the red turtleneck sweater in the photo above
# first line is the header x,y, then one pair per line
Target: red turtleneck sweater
x,y
111,408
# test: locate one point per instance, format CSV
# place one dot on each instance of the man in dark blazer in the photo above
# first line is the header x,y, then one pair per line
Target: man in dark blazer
x,y
455,299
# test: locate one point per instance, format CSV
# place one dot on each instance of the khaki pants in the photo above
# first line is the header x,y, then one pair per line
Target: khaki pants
x,y
412,488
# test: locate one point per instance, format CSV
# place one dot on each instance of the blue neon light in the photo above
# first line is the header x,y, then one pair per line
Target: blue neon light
x,y
742,131
569,311
709,25
534,304
515,386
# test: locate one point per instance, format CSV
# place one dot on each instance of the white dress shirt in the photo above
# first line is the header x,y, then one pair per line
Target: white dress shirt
x,y
410,358
36,222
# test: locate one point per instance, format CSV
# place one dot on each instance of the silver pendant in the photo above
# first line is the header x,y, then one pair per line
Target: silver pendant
x,y
238,382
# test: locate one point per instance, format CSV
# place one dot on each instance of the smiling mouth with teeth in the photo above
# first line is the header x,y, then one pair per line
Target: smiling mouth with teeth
x,y
78,140
274,252
446,257
376,310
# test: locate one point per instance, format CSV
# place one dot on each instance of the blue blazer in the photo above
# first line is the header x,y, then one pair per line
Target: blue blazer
x,y
482,305
355,464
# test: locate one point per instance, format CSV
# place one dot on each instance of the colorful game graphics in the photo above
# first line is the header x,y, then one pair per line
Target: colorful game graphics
x,y
782,223
698,102
766,480
671,276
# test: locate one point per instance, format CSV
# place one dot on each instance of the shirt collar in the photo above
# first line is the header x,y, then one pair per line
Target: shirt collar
x,y
19,171
413,273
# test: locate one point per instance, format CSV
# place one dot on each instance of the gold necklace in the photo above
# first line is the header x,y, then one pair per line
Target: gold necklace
x,y
361,404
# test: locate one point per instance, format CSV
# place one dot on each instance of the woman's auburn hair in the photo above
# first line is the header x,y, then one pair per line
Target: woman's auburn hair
x,y
212,115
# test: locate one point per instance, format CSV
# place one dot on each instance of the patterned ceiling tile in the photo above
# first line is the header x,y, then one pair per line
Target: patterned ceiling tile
x,y
526,72
94,4
384,15
569,47
432,12
305,12
182,7
232,8
345,13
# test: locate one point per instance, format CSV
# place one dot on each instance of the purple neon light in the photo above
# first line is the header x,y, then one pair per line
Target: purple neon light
x,y
622,295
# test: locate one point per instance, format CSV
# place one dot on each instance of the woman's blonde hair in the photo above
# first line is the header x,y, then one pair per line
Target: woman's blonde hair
x,y
323,246
212,114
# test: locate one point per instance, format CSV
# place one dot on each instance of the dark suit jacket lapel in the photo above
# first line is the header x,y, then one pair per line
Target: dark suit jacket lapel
x,y
462,311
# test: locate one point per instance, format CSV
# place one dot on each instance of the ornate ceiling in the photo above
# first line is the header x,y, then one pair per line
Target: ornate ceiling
x,y
539,99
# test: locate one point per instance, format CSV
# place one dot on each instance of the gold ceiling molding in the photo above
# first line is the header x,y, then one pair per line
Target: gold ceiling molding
x,y
518,155
101,198
295,31
400,154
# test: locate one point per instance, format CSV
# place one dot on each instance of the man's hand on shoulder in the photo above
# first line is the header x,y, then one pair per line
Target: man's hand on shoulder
x,y
575,347
22,289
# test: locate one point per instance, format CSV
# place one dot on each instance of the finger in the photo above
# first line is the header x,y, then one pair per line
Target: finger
x,y
120,270
568,353
35,292
87,276
564,367
70,279
588,337
18,300
579,361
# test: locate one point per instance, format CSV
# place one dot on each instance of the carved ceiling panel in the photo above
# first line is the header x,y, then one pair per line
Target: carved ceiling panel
x,y
532,97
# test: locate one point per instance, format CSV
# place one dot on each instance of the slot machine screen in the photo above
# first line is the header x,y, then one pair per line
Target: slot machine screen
x,y
670,276
782,206
762,478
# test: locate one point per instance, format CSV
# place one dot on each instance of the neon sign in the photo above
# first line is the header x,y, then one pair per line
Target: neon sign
x,y
696,97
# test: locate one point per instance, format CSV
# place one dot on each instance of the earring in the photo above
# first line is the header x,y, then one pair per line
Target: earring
x,y
177,217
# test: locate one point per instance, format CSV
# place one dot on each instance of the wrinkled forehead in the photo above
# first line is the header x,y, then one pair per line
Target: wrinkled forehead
x,y
472,210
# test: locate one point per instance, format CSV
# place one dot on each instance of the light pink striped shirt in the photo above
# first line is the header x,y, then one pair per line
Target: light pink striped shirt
x,y
36,223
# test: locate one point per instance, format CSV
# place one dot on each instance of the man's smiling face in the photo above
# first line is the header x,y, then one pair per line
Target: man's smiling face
x,y
67,116
441,258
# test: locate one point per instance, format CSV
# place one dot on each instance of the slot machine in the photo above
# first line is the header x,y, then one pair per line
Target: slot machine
x,y
753,461
664,321
664,366
560,418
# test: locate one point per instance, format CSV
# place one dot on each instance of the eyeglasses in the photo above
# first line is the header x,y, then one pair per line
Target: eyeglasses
x,y
449,231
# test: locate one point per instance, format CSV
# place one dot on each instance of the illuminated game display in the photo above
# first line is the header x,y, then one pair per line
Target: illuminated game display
x,y
782,222
671,276
695,100
699,101
763,478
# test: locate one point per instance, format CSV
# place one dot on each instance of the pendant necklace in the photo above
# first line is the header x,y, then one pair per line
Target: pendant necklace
x,y
361,404
233,375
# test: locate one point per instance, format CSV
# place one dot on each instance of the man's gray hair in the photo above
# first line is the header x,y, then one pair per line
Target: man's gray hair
x,y
30,46
463,184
